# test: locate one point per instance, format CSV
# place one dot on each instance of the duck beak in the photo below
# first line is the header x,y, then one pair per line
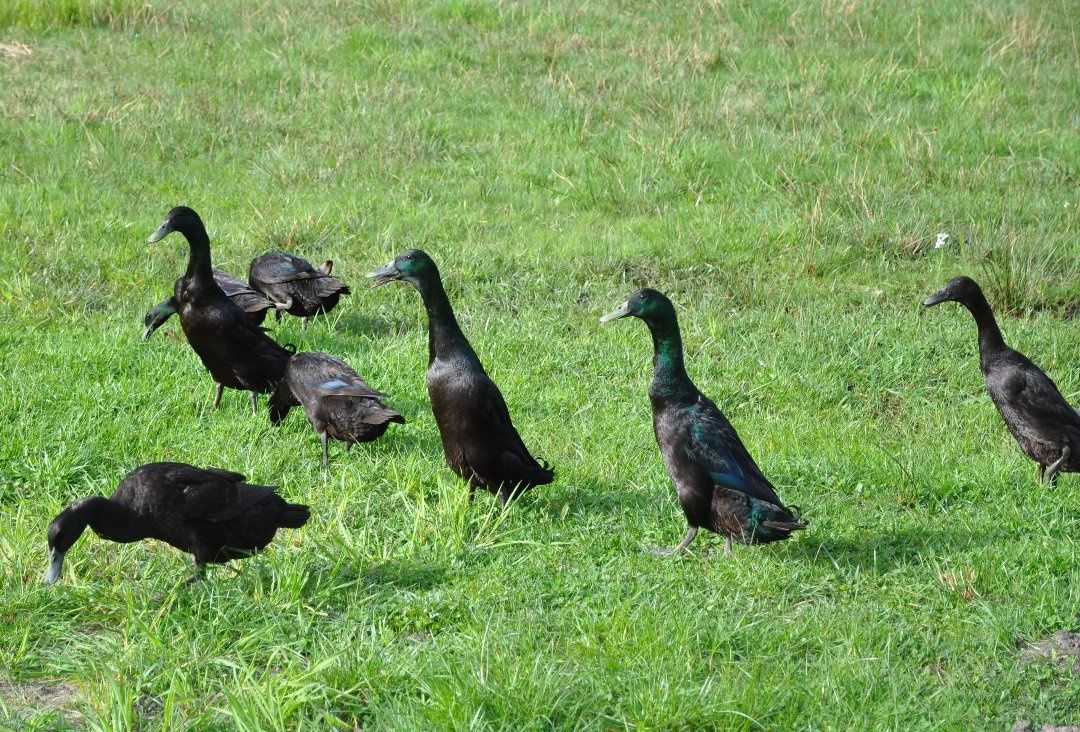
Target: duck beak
x,y
56,565
939,296
164,230
620,312
383,276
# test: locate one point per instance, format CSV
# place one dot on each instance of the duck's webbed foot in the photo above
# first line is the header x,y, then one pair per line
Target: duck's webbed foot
x,y
1051,471
665,552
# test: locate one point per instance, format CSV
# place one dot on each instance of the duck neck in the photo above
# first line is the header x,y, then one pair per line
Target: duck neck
x,y
669,372
108,519
444,334
990,339
198,269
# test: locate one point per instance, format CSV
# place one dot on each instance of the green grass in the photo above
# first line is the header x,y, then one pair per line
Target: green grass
x,y
780,169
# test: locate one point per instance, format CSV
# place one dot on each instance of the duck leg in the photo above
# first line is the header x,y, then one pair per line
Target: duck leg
x,y
1050,475
303,324
325,452
727,546
217,396
254,402
200,573
690,534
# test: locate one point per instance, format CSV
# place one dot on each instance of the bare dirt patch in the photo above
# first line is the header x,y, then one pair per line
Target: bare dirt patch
x,y
42,697
1062,649
14,49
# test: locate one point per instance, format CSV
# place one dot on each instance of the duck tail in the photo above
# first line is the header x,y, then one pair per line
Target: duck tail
x,y
295,515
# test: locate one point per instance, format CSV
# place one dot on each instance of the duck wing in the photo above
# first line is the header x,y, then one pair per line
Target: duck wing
x,y
280,267
1035,399
230,285
515,462
714,445
324,376
216,495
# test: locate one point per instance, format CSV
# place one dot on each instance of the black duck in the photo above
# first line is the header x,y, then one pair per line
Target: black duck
x,y
337,400
719,485
295,286
245,298
210,513
1037,415
479,440
237,352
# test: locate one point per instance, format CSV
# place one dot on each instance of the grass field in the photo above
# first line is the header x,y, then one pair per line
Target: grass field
x,y
780,169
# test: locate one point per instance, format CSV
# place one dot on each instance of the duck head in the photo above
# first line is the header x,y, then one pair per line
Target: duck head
x,y
958,289
65,530
156,316
648,304
413,266
182,219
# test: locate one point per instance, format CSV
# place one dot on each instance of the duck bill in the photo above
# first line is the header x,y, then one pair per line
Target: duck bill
x,y
937,297
163,231
620,312
56,566
384,275
148,331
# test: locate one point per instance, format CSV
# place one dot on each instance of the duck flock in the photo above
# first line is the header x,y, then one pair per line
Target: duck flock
x,y
215,515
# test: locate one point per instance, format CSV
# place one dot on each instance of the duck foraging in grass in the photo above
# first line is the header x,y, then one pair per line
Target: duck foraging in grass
x,y
237,352
479,440
210,513
295,286
337,400
719,485
245,298
1046,426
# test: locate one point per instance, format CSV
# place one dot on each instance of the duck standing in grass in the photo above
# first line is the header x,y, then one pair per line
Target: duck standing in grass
x,y
479,440
210,513
295,286
1037,415
237,352
245,298
337,400
719,485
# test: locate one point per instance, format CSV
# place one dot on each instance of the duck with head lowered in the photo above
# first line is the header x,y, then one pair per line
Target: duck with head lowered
x,y
1038,416
479,440
208,512
295,286
237,352
338,402
719,485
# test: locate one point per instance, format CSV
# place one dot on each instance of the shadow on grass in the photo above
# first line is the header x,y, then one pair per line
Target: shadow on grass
x,y
894,549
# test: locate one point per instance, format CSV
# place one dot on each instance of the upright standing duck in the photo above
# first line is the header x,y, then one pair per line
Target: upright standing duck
x,y
1037,415
479,440
720,486
237,352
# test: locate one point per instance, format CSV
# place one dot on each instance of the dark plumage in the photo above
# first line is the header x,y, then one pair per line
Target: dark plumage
x,y
245,298
237,352
295,286
337,400
720,486
1037,415
479,440
210,513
